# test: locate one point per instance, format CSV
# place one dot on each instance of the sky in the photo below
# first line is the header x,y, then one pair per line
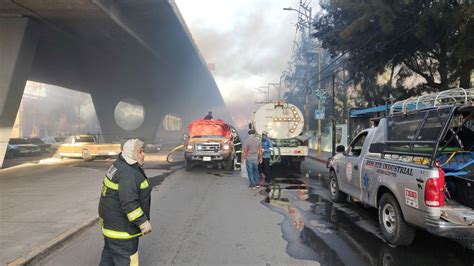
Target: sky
x,y
249,41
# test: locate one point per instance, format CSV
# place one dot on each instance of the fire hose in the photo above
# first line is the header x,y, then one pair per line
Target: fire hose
x,y
177,148
275,157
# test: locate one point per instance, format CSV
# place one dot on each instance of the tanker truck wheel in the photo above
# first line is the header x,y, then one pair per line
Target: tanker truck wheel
x,y
296,166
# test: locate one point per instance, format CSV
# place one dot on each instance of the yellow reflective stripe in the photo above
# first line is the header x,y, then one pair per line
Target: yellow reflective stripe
x,y
118,234
134,259
110,184
144,184
104,190
132,216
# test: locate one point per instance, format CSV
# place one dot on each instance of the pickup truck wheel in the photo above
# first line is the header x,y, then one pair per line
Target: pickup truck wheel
x,y
466,242
86,156
336,194
394,228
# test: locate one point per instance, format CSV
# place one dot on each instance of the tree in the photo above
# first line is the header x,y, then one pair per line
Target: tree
x,y
429,38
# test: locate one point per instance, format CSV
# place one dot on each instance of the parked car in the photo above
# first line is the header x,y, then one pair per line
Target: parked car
x,y
19,146
86,147
44,147
54,142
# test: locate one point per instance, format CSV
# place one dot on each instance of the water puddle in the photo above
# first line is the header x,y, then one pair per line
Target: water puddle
x,y
347,234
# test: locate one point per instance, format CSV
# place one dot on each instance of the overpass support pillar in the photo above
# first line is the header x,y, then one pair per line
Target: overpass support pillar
x,y
18,41
105,104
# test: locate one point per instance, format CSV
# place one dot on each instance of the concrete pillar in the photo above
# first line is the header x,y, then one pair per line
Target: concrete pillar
x,y
18,40
105,108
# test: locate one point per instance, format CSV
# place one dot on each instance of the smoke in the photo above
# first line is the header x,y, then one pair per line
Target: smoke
x,y
250,43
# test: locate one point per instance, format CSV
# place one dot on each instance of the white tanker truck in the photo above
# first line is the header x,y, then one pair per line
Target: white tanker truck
x,y
284,123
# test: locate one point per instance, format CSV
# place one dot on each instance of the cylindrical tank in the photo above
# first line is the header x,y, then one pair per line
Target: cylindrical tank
x,y
280,119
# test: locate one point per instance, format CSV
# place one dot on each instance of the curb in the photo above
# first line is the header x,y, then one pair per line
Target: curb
x,y
42,250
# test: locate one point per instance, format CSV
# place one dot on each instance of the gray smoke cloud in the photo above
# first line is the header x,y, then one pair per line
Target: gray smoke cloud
x,y
251,52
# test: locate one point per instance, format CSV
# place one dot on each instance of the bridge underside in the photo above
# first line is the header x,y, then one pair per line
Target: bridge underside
x,y
112,49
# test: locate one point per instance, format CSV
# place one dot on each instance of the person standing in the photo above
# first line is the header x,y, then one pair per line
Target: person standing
x,y
208,116
237,148
124,206
252,154
267,148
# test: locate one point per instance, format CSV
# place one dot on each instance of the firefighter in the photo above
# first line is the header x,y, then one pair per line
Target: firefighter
x,y
237,148
124,206
208,116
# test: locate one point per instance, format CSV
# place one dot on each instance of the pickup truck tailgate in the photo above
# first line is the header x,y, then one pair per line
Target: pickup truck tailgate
x,y
457,213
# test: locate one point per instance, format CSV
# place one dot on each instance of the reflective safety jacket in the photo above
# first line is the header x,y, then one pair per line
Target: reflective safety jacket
x,y
125,200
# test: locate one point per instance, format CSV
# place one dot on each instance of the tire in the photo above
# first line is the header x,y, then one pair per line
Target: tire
x,y
189,165
296,166
392,224
10,154
336,194
229,164
466,242
86,156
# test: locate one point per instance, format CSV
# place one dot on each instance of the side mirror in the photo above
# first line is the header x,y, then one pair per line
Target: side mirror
x,y
250,125
340,149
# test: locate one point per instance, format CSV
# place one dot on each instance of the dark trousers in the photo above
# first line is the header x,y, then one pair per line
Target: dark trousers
x,y
119,252
265,169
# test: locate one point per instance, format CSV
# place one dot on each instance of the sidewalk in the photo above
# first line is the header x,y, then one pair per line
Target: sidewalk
x,y
322,157
43,204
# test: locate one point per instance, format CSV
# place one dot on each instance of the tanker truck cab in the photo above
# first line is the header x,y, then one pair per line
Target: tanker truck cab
x,y
417,168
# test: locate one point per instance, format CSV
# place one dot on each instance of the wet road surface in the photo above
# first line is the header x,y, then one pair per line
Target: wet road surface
x,y
198,218
347,233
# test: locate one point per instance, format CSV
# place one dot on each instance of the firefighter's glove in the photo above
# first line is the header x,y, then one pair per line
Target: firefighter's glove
x,y
145,227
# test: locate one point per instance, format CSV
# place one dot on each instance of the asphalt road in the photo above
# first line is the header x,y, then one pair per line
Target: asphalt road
x,y
210,216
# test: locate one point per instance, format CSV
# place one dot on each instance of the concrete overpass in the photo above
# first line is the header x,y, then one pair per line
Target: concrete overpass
x,y
136,51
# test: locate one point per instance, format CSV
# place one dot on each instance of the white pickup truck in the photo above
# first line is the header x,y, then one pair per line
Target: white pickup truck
x,y
417,169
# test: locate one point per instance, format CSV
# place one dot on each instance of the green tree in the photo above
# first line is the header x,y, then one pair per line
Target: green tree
x,y
431,39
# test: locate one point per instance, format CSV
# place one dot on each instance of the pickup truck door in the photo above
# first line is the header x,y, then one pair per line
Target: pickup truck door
x,y
351,170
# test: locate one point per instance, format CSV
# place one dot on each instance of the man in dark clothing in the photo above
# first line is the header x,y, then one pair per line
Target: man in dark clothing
x,y
237,148
124,207
267,148
208,116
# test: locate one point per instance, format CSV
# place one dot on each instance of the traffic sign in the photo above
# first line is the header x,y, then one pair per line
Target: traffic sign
x,y
319,114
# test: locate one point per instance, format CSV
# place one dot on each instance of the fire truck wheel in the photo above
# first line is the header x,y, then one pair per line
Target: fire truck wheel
x,y
229,164
392,224
189,165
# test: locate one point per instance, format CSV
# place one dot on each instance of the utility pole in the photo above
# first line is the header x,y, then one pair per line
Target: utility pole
x,y
302,16
333,118
319,99
275,85
308,58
